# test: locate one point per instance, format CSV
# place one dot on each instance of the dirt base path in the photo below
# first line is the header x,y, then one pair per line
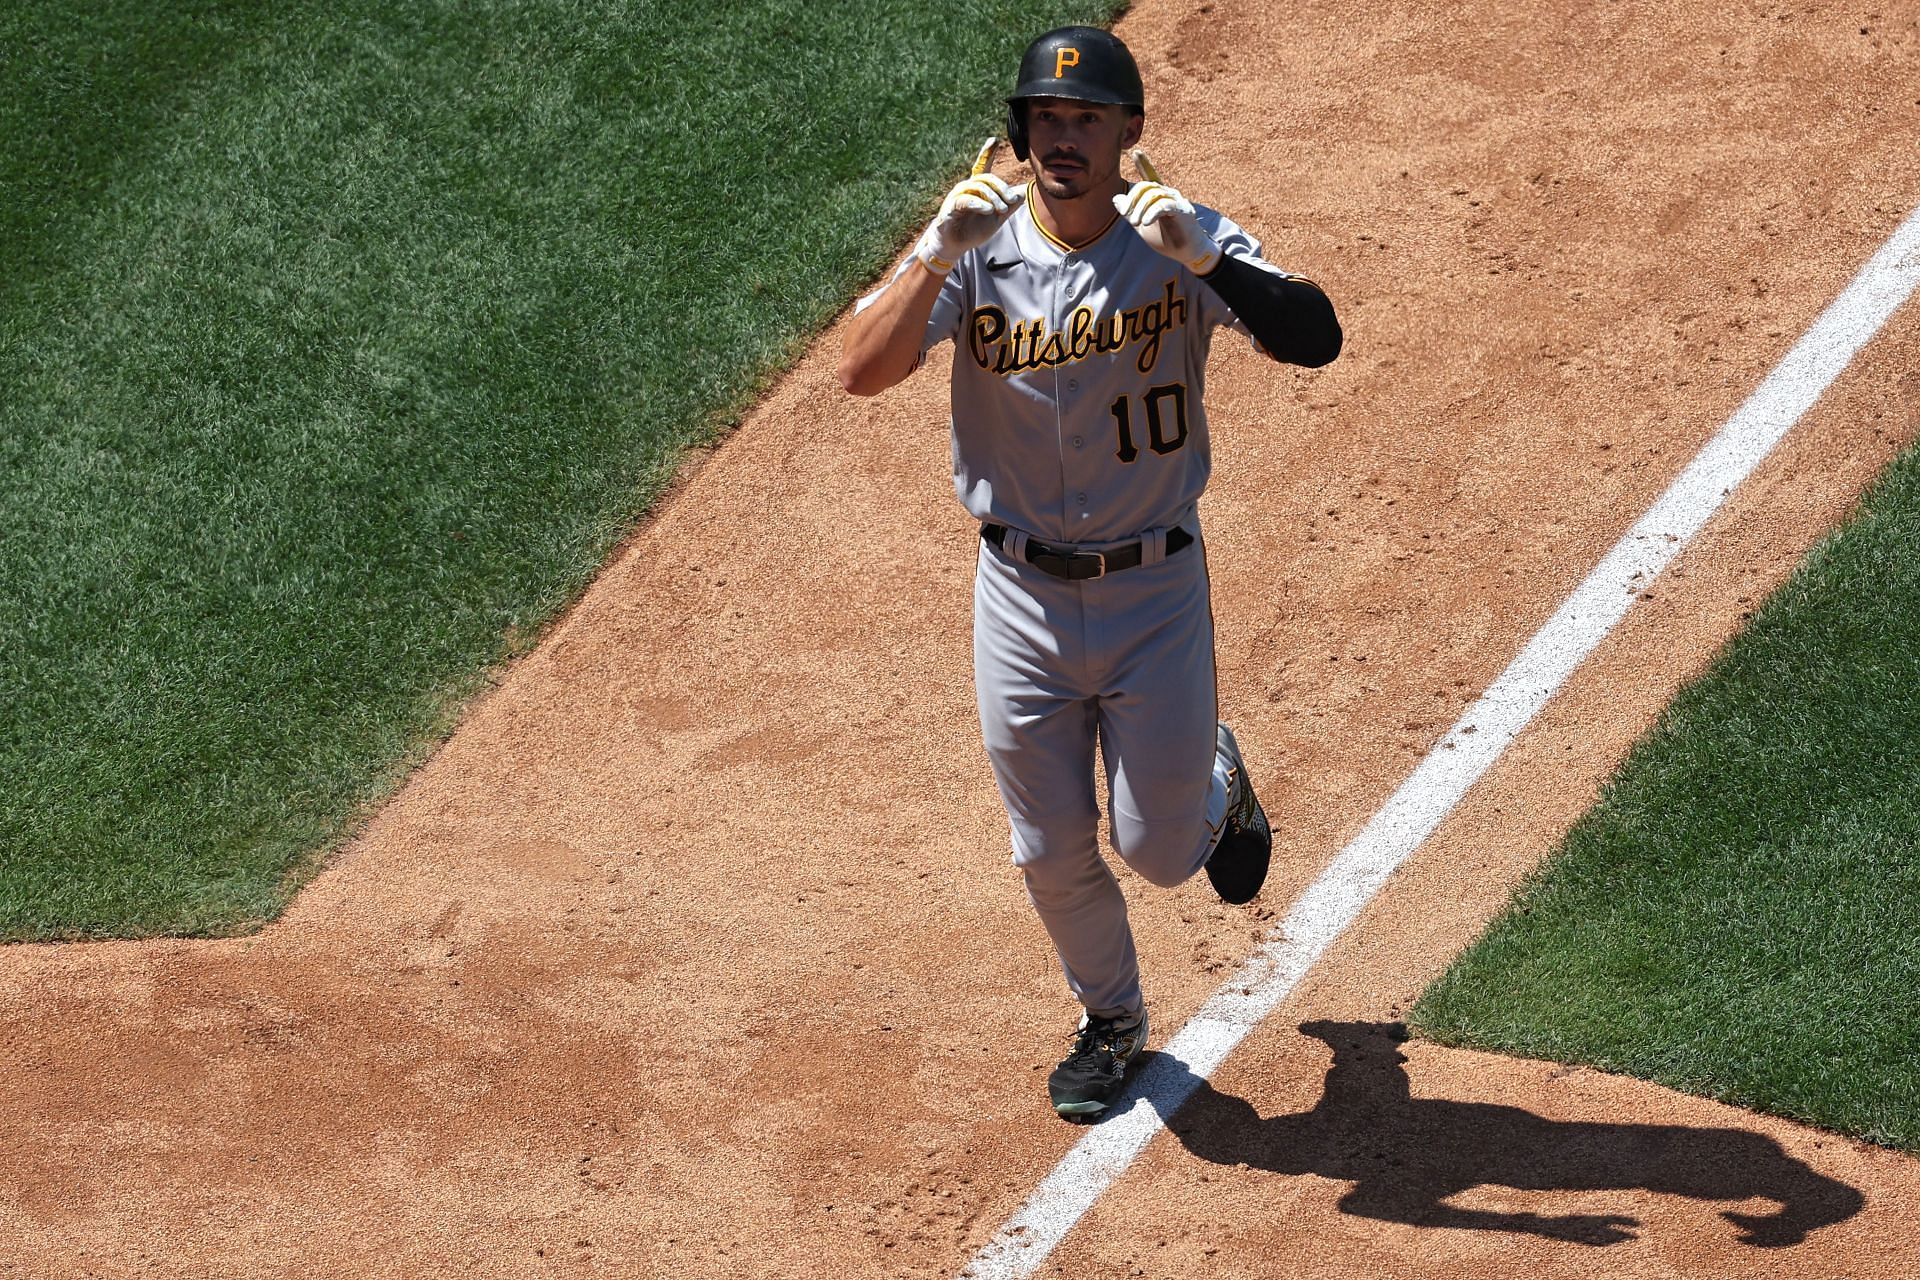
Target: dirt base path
x,y
696,952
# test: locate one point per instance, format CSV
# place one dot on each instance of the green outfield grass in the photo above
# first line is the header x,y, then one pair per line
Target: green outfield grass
x,y
1739,917
339,344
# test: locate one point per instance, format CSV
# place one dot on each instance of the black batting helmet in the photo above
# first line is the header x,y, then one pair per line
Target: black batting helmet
x,y
1082,63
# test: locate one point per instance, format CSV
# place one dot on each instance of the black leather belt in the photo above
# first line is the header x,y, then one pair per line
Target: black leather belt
x,y
1078,566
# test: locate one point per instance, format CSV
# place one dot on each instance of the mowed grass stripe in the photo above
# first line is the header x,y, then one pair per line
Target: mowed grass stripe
x,y
1739,916
339,344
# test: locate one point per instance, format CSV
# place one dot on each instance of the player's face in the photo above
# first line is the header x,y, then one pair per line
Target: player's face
x,y
1076,146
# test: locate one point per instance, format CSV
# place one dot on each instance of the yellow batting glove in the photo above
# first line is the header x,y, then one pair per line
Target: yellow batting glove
x,y
1165,220
969,215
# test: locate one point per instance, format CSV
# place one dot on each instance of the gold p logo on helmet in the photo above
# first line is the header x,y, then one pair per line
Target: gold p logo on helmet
x,y
1063,58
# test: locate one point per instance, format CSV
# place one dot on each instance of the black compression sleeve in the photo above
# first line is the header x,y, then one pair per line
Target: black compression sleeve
x,y
1290,317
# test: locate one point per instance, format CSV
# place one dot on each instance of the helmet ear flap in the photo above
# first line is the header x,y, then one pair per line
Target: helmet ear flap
x,y
1017,127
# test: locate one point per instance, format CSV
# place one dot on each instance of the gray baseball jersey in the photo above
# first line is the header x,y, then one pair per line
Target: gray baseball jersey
x,y
1078,378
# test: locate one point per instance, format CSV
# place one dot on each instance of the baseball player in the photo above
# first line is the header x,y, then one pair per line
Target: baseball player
x,y
1081,307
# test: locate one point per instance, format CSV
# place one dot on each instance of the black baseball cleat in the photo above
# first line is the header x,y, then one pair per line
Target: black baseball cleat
x,y
1238,866
1090,1077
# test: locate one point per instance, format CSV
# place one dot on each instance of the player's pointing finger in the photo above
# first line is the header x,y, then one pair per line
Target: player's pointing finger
x,y
984,161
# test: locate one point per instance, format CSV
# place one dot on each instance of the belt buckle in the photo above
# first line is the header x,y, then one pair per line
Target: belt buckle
x,y
1081,557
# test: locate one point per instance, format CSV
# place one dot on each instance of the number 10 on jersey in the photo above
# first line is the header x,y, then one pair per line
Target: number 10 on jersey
x,y
1158,428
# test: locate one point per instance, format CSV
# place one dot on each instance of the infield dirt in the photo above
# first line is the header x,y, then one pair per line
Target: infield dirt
x,y
696,950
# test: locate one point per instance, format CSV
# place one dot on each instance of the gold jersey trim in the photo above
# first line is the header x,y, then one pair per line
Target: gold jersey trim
x,y
1055,240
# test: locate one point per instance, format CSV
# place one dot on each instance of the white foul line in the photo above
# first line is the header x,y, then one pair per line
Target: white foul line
x,y
1477,739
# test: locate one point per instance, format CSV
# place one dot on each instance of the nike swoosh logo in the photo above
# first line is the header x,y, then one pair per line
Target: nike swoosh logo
x,y
1002,266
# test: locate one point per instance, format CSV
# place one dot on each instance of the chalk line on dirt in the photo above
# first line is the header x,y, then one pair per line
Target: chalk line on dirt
x,y
1483,732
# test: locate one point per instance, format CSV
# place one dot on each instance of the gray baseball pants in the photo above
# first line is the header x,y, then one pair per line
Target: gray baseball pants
x,y
1124,663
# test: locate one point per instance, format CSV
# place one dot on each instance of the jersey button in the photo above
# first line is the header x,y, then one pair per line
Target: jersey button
x,y
1076,442
1081,499
1073,384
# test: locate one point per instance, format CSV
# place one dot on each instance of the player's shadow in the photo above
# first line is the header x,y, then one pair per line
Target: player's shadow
x,y
1406,1155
